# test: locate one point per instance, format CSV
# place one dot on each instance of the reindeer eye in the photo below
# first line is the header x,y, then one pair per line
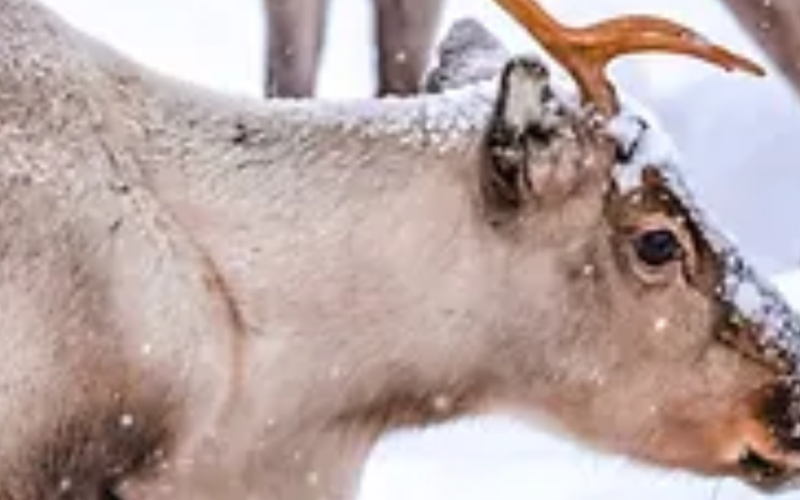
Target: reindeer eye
x,y
657,247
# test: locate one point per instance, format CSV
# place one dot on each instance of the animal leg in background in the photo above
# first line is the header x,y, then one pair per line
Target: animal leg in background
x,y
295,32
404,32
775,25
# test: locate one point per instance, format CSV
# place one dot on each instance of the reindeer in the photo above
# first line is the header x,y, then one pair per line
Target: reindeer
x,y
215,298
404,32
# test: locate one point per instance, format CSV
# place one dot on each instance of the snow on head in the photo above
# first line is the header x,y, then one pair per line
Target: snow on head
x,y
772,324
445,121
459,95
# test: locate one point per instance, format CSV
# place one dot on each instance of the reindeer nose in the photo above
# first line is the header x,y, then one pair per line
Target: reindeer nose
x,y
781,412
770,460
767,474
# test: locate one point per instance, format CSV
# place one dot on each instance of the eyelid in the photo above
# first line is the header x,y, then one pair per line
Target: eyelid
x,y
662,275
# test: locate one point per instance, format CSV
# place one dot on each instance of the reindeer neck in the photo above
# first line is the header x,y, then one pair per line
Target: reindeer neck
x,y
343,235
347,239
349,253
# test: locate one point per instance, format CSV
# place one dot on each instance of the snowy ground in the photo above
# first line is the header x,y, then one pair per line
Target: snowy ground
x,y
739,136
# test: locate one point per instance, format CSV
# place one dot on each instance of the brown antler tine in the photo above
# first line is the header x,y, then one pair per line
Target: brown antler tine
x,y
635,22
558,41
712,54
645,32
532,17
585,52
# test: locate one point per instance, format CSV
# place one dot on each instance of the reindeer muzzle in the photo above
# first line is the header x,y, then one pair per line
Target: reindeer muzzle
x,y
763,326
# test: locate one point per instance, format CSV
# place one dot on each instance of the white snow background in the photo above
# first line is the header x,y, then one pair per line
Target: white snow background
x,y
739,136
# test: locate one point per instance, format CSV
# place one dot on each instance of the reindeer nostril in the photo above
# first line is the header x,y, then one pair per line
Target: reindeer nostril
x,y
759,468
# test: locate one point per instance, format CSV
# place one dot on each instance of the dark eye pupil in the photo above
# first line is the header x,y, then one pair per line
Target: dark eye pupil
x,y
658,247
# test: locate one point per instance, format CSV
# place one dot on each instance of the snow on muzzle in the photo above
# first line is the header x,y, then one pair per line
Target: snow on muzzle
x,y
768,329
768,326
759,323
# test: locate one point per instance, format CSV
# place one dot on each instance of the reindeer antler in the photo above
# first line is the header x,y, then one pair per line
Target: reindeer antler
x,y
585,52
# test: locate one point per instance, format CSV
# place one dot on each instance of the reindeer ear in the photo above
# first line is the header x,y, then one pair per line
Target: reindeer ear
x,y
519,117
537,150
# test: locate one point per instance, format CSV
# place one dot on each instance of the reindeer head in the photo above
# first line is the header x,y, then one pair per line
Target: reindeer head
x,y
661,343
653,337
